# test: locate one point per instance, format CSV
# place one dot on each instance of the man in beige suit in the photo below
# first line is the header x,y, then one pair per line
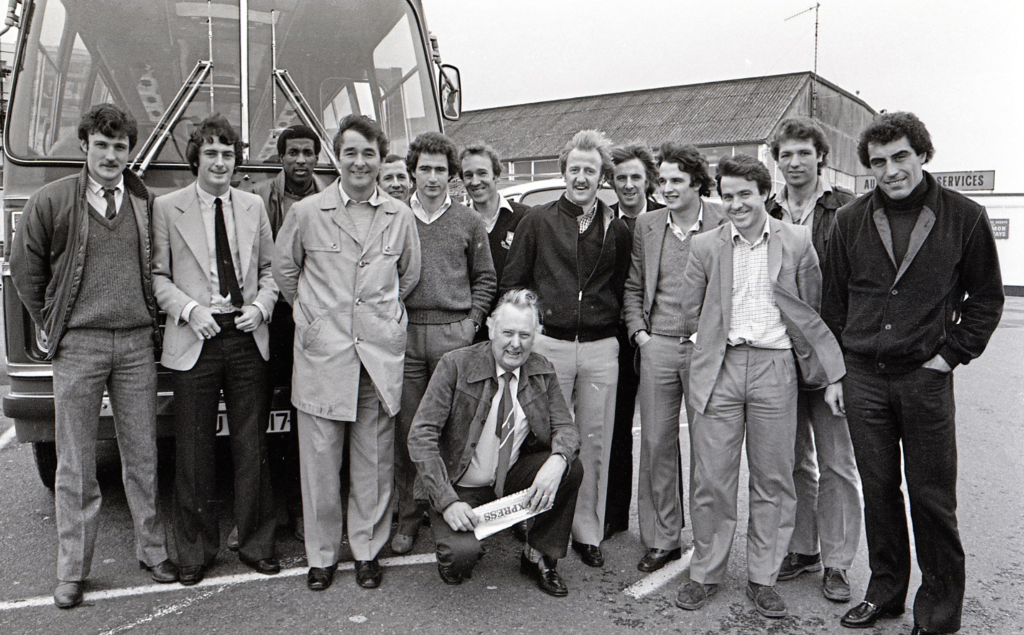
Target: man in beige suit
x,y
212,251
752,293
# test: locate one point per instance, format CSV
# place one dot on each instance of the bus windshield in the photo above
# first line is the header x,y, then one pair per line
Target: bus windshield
x,y
345,56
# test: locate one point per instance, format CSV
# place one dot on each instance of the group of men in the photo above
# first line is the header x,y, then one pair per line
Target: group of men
x,y
471,352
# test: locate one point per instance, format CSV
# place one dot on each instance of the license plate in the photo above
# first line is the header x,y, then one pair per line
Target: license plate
x,y
280,421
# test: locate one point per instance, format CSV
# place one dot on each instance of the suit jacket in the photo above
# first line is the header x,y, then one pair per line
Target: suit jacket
x,y
451,417
796,286
181,261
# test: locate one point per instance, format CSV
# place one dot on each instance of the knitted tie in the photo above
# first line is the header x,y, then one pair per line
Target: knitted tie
x,y
225,264
108,194
505,425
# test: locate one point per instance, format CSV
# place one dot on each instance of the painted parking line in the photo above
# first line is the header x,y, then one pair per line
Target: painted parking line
x,y
659,578
219,581
6,437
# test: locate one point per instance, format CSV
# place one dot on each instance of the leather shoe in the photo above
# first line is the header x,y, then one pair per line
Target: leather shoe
x,y
767,600
920,631
590,554
402,544
191,574
266,566
694,595
655,559
795,564
449,575
546,575
835,585
368,573
319,578
68,594
865,614
163,573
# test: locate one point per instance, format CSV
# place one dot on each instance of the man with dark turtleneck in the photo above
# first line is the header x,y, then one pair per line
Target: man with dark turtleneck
x,y
912,290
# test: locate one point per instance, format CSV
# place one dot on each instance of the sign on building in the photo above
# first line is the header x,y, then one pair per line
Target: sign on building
x,y
960,181
1001,228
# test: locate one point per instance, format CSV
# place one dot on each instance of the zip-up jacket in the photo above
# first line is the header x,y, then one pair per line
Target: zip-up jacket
x,y
945,298
824,216
544,258
48,254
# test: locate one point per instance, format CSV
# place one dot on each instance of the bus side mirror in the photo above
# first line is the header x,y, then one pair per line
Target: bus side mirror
x,y
450,83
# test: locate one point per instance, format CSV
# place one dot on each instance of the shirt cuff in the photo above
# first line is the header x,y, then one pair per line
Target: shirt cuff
x,y
263,310
187,311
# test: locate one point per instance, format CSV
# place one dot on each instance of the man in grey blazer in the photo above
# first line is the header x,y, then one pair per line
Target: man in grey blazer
x,y
753,289
212,254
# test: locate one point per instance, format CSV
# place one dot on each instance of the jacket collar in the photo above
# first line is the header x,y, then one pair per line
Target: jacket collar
x,y
483,365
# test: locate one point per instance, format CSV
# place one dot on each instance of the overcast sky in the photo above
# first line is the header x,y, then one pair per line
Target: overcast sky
x,y
958,65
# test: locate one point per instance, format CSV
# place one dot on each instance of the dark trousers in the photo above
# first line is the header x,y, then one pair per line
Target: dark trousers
x,y
620,464
915,410
230,362
283,447
549,533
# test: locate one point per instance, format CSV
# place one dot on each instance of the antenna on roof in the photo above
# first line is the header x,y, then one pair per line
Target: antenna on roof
x,y
814,82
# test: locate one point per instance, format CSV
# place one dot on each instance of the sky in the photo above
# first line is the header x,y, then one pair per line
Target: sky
x,y
958,65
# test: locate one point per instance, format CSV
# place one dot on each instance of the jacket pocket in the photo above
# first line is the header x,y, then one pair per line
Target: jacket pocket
x,y
308,323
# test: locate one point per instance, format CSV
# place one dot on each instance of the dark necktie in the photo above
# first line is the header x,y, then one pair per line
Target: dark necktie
x,y
225,265
108,194
504,426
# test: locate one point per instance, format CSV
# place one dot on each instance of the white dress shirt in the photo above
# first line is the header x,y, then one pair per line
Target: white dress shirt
x,y
482,469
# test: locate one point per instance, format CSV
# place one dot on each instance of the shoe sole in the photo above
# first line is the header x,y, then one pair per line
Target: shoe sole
x,y
789,575
640,565
840,598
763,611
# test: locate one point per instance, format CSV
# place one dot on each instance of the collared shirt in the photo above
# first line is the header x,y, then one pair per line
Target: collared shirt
x,y
94,195
584,220
755,319
375,199
622,214
361,212
422,214
802,216
484,465
502,204
694,229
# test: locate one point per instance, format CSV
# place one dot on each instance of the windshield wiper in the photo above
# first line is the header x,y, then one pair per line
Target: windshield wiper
x,y
287,85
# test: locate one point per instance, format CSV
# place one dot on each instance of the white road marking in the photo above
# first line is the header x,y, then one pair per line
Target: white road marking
x,y
219,581
659,578
6,437
167,610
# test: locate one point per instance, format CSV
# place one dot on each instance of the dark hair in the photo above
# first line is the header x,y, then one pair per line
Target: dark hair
x,y
585,141
479,148
109,120
801,129
636,150
393,158
893,126
213,129
364,126
747,168
432,143
298,131
690,160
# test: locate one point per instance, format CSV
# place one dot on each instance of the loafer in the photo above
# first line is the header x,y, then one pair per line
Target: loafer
x,y
590,554
694,595
68,594
766,599
449,575
191,574
546,575
835,585
865,614
368,573
233,539
320,578
655,559
402,543
796,563
163,573
266,566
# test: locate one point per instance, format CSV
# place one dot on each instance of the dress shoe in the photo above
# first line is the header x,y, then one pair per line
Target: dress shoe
x,y
368,573
796,563
233,539
590,554
766,599
655,559
920,631
449,575
694,595
163,573
319,578
835,585
68,594
266,566
191,574
865,614
545,573
402,543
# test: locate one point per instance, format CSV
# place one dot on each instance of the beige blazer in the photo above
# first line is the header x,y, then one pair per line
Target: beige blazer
x,y
796,283
181,260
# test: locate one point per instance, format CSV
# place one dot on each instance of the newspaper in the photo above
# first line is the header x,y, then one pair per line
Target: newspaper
x,y
503,513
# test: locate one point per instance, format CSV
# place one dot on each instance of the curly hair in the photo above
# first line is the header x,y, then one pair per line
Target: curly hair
x,y
690,160
214,129
893,126
747,168
639,151
298,131
585,141
433,143
110,121
801,129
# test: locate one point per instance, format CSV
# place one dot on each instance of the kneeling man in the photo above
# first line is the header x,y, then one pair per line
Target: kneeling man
x,y
493,421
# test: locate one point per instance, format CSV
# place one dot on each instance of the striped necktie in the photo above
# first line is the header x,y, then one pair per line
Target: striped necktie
x,y
505,425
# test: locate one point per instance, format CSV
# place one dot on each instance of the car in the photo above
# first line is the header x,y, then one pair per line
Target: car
x,y
539,192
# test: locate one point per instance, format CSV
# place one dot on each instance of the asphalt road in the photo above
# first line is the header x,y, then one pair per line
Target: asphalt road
x,y
617,598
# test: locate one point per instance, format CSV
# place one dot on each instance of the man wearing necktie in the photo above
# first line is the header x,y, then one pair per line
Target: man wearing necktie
x,y
494,422
212,276
81,265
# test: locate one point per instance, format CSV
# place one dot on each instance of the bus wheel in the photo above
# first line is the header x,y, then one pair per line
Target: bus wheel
x,y
46,462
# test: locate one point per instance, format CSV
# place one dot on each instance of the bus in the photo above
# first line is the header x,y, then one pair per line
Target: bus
x,y
263,64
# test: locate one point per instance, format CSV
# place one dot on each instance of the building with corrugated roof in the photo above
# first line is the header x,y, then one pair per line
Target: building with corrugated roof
x,y
721,118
